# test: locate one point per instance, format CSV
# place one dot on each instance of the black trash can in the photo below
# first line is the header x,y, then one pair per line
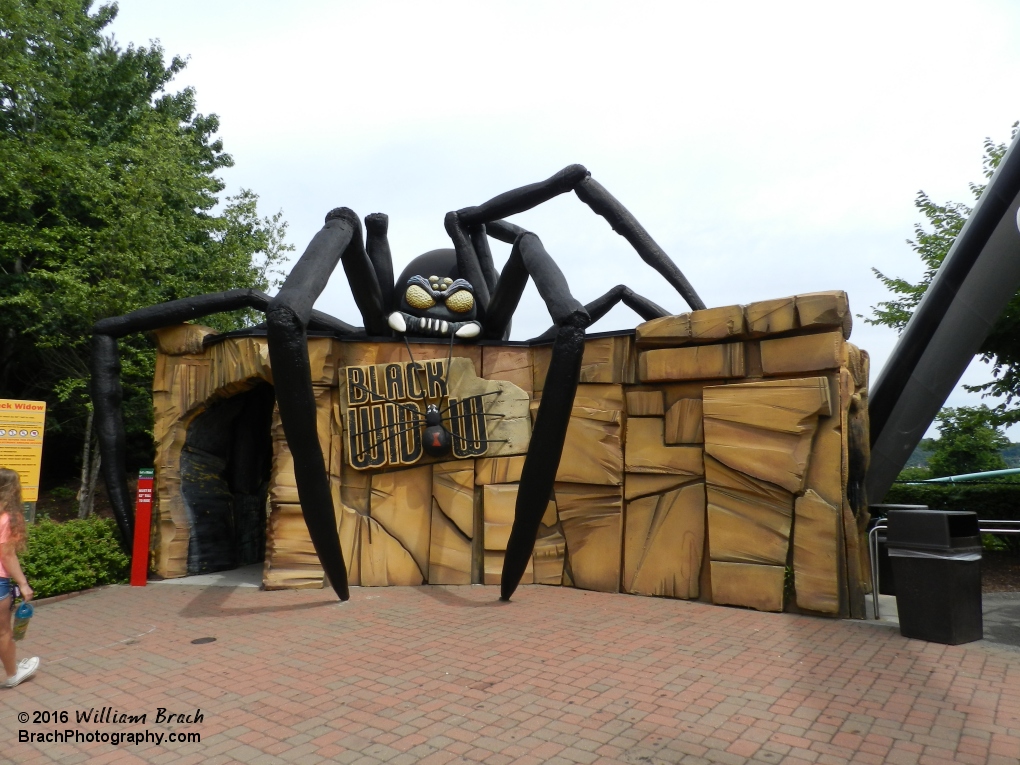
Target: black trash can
x,y
879,513
936,562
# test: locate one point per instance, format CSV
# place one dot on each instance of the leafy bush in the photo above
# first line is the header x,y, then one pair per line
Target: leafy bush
x,y
999,501
72,556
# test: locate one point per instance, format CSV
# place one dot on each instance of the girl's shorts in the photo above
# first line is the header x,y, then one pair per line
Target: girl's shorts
x,y
6,587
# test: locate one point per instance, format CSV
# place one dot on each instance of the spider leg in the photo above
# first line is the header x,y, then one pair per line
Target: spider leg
x,y
378,247
621,293
529,258
106,390
545,450
358,266
468,262
577,179
287,318
626,225
480,241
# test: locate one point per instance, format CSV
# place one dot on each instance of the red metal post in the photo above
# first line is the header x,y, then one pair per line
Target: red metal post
x,y
143,522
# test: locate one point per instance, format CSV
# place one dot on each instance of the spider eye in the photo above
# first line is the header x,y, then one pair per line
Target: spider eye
x,y
418,298
460,301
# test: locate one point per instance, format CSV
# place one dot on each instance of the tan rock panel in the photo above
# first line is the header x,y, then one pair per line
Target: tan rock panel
x,y
384,560
605,360
701,362
645,403
323,355
362,354
356,489
769,317
816,553
663,543
804,353
752,360
453,488
605,397
640,485
825,466
180,339
499,504
858,363
282,483
717,323
684,423
541,355
349,530
402,506
666,330
291,561
676,391
551,517
511,364
550,555
494,568
748,520
825,309
449,552
647,453
336,455
592,452
592,520
498,470
748,585
765,429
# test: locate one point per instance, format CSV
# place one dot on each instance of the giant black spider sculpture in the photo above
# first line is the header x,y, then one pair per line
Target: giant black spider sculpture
x,y
455,294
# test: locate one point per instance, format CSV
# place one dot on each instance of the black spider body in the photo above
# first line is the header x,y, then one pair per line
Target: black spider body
x,y
435,439
448,293
433,300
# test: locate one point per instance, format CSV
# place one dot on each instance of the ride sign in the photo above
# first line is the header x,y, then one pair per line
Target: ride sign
x,y
21,441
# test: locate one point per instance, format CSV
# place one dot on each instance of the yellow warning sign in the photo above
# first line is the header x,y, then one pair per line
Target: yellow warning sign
x,y
21,439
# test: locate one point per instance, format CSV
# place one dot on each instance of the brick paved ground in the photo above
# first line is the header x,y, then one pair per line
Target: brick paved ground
x,y
449,675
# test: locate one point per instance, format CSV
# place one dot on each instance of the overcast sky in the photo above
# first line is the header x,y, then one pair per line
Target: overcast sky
x,y
770,148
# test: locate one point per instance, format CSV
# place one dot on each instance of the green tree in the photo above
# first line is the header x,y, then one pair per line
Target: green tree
x,y
1001,349
108,202
968,442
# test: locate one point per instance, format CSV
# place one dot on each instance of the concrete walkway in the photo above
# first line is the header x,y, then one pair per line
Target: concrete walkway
x,y
450,675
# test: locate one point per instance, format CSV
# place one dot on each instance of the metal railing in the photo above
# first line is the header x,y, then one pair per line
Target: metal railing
x,y
985,527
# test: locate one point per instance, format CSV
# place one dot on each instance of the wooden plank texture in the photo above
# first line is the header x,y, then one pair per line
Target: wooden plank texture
x,y
765,429
663,543
769,317
748,520
498,469
816,553
499,502
803,353
402,507
592,519
647,452
748,585
684,423
453,488
449,551
701,362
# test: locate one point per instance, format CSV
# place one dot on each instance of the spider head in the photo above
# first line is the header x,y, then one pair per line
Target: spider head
x,y
432,300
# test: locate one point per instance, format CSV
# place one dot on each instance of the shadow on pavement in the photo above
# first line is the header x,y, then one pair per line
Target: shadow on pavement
x,y
210,602
448,598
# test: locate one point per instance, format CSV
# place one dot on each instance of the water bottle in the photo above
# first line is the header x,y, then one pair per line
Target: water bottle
x,y
21,617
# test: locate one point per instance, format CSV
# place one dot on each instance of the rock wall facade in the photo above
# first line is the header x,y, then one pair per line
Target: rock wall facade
x,y
715,455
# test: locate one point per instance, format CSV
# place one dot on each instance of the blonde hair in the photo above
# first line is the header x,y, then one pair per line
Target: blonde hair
x,y
10,503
